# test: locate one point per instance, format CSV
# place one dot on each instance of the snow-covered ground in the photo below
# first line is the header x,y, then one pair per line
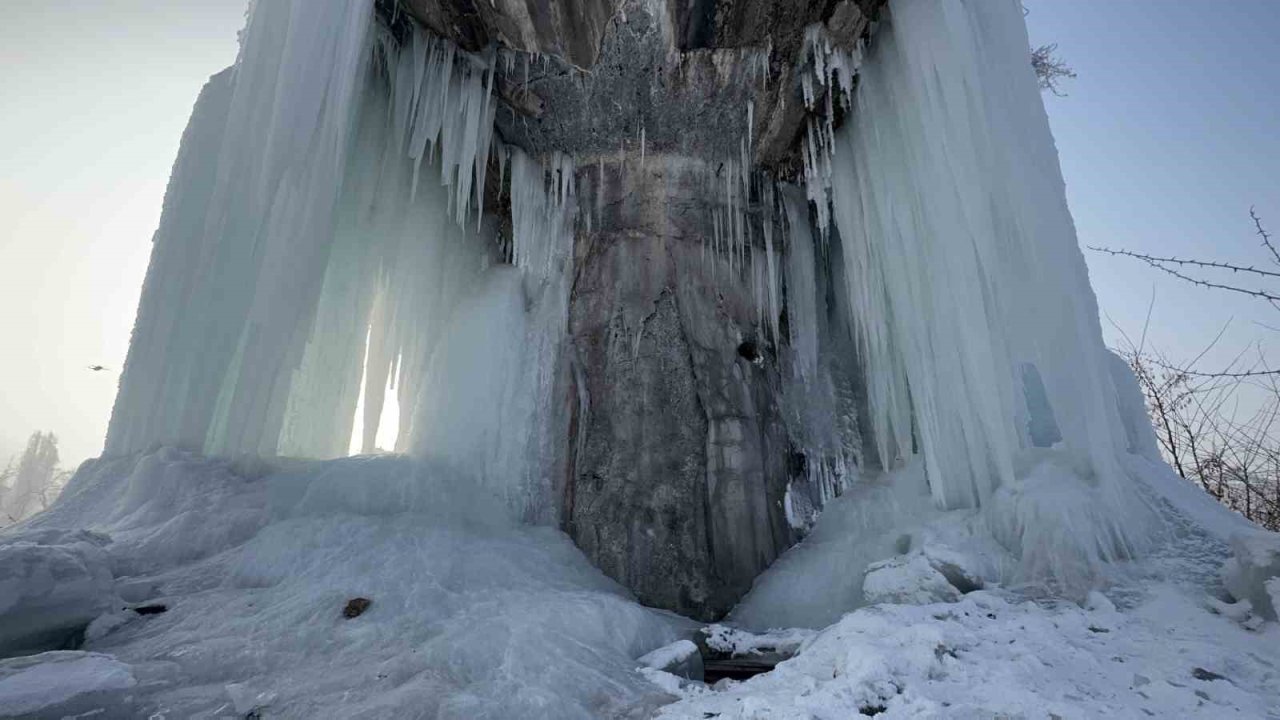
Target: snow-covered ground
x,y
474,615
991,657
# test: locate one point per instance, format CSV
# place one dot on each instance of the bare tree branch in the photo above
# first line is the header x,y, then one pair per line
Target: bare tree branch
x,y
1050,69
1156,263
1152,259
1266,236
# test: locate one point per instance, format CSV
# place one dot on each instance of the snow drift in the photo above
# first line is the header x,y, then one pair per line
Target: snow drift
x,y
473,615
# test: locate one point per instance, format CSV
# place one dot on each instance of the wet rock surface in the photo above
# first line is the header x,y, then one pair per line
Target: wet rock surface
x,y
678,456
679,472
590,76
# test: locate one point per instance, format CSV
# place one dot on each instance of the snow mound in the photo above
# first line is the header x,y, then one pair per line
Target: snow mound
x,y
988,656
62,684
1048,527
908,579
51,585
1253,572
473,615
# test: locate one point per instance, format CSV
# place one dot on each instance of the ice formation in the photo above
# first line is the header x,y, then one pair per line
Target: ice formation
x,y
962,270
324,238
324,242
952,420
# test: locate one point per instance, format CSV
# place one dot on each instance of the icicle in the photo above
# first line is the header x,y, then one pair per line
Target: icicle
x,y
297,182
802,312
962,265
771,276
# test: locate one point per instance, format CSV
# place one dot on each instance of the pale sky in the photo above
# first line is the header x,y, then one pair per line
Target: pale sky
x,y
93,100
1168,136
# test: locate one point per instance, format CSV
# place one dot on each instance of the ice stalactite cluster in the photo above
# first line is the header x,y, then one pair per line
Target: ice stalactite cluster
x,y
323,231
325,242
243,244
486,406
963,278
827,82
820,369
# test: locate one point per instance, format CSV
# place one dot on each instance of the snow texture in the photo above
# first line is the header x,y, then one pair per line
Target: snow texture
x,y
668,655
473,615
61,682
51,585
738,642
991,656
1253,572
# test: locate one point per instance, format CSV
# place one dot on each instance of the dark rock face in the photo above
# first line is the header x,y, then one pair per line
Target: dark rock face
x,y
680,472
681,70
568,29
678,455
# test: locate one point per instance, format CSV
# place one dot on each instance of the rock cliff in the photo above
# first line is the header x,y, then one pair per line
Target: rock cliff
x,y
682,445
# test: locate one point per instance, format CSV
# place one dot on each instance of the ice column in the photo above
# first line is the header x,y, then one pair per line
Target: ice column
x,y
332,166
244,242
961,259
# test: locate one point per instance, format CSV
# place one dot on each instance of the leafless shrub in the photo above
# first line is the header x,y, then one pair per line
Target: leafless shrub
x,y
34,483
1050,69
1205,426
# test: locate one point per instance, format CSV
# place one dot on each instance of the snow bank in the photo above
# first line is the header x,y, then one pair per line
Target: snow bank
x,y
885,541
63,684
1253,572
986,656
668,655
969,296
472,614
51,585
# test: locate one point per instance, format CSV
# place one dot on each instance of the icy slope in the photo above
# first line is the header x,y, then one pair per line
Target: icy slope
x,y
989,657
1157,641
472,615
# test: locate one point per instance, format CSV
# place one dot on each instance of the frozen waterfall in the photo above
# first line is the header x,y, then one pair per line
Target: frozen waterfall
x,y
969,296
324,229
325,238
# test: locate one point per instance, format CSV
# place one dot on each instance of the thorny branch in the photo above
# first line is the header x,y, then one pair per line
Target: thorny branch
x,y
1199,425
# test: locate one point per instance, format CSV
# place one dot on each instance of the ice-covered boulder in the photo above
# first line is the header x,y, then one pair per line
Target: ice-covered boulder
x,y
1253,573
934,573
52,584
680,659
907,580
64,684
